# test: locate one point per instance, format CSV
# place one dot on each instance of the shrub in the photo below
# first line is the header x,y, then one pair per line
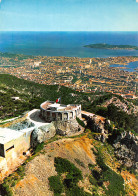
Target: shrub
x,y
116,181
5,190
13,183
73,173
80,163
91,167
80,122
76,191
39,147
116,186
113,136
63,165
92,180
21,171
55,184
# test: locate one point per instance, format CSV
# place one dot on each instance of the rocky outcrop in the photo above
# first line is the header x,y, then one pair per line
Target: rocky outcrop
x,y
125,145
125,106
41,134
100,137
22,125
67,127
126,148
97,125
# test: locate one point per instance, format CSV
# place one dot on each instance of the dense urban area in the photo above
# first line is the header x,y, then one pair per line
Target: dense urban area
x,y
80,74
95,154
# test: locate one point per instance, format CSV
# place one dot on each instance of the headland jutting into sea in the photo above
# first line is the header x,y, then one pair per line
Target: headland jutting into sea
x,y
69,44
113,47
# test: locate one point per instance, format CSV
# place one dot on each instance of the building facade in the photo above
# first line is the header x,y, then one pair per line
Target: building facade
x,y
13,143
52,111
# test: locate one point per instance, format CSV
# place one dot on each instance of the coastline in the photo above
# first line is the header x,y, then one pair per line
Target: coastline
x,y
129,66
81,74
67,44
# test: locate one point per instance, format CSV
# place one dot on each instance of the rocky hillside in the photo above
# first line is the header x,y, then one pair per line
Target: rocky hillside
x,y
124,105
126,148
91,159
41,167
101,161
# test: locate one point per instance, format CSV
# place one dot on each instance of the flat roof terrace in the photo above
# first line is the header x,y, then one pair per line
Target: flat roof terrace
x,y
7,135
45,105
56,106
70,107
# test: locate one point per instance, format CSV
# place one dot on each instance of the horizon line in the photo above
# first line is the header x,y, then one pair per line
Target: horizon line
x,y
63,31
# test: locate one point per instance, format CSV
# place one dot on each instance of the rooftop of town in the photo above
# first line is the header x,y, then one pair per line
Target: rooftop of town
x,y
81,74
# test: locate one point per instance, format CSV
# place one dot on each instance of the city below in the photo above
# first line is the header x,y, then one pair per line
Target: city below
x,y
82,74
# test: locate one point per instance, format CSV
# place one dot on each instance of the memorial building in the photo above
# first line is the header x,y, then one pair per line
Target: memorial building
x,y
52,111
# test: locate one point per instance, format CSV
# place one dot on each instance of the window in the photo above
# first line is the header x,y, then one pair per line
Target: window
x,y
9,148
2,152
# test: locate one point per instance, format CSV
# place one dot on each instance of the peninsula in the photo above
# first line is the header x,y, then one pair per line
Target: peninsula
x,y
114,47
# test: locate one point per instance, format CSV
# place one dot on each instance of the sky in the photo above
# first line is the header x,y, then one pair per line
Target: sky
x,y
68,15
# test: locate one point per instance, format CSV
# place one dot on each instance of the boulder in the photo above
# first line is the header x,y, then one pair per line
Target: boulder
x,y
67,127
41,134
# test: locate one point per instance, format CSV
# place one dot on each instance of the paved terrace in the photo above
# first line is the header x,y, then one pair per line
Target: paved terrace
x,y
34,117
59,107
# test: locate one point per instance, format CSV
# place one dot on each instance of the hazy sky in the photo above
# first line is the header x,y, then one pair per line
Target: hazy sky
x,y
68,15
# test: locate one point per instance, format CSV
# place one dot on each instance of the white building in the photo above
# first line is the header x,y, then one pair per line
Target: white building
x,y
52,111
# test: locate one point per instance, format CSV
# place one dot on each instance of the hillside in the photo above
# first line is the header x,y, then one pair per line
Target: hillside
x,y
65,148
88,155
34,94
30,95
81,164
125,106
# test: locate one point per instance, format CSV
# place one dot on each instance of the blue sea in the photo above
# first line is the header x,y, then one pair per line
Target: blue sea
x,y
131,67
67,43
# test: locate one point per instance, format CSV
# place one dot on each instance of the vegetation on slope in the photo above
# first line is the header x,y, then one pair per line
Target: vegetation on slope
x,y
31,96
69,183
115,181
103,180
120,118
